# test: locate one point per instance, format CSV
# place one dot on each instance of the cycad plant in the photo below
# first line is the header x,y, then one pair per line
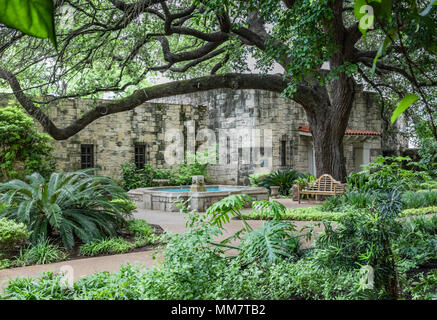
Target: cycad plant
x,y
68,205
284,179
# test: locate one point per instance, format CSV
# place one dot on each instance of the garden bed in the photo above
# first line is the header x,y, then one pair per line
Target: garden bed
x,y
75,252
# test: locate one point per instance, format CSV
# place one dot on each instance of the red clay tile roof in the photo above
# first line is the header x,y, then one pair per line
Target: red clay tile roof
x,y
348,131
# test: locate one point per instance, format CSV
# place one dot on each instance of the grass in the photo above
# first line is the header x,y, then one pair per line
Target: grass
x,y
43,252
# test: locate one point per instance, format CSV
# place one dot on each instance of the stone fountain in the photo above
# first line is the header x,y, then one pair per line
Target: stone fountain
x,y
200,196
198,184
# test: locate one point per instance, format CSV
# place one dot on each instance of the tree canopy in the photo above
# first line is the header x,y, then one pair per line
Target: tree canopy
x,y
120,46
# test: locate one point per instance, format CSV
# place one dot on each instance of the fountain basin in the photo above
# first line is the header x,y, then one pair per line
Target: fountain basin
x,y
165,198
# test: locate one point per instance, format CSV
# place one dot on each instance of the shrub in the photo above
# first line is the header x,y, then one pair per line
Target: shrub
x,y
126,206
73,205
106,246
306,178
43,252
181,174
217,279
23,149
5,263
386,173
270,243
359,199
257,178
365,239
139,227
318,213
334,203
306,279
48,287
12,236
134,178
429,185
144,233
267,244
418,241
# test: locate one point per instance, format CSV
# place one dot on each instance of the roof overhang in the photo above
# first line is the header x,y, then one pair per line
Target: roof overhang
x,y
305,131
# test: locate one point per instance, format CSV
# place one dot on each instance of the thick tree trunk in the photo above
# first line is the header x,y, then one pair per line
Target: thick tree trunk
x,y
328,146
328,125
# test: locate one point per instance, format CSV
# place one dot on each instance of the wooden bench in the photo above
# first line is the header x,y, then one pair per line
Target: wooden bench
x,y
325,185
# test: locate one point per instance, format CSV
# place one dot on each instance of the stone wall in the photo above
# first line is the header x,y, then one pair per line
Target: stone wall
x,y
114,136
223,112
228,109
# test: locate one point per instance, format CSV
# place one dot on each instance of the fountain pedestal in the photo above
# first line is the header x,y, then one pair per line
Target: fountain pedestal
x,y
198,184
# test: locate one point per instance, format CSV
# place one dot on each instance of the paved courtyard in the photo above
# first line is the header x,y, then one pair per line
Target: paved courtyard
x,y
172,222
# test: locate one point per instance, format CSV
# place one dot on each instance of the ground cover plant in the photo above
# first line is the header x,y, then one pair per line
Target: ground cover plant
x,y
43,252
136,234
318,213
195,266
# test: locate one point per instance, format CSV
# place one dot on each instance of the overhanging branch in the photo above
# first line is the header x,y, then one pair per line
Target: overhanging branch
x,y
274,83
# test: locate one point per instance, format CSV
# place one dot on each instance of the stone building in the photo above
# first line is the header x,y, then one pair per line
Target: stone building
x,y
246,131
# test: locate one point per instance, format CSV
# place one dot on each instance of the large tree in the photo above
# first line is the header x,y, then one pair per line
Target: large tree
x,y
116,45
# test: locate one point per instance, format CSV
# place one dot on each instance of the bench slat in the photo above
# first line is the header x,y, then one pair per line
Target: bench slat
x,y
324,185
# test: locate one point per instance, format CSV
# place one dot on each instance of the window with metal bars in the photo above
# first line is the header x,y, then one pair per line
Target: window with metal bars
x,y
87,156
140,155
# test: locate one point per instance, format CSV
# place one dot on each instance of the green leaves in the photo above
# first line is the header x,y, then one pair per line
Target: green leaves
x,y
221,211
32,17
403,105
270,243
273,209
76,205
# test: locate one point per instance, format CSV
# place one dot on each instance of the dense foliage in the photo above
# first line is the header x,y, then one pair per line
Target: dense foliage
x,y
178,175
12,235
284,179
23,149
68,206
387,173
195,267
